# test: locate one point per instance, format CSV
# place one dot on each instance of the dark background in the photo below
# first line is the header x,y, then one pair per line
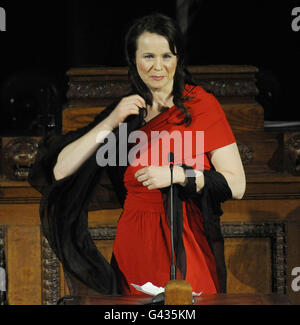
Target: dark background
x,y
45,38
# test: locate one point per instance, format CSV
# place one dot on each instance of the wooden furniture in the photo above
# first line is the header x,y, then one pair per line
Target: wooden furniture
x,y
205,299
262,231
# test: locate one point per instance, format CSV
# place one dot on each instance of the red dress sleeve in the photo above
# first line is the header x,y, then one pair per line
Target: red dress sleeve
x,y
208,116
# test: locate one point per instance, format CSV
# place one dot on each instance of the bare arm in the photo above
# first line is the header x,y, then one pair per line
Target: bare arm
x,y
227,161
77,152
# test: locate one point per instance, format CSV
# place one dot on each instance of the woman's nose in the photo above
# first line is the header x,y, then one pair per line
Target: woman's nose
x,y
157,64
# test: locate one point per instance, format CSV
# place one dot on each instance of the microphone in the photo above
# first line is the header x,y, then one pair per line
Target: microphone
x,y
158,299
173,268
177,292
171,159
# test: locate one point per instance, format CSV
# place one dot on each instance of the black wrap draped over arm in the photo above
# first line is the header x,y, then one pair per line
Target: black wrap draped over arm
x,y
64,208
65,203
209,199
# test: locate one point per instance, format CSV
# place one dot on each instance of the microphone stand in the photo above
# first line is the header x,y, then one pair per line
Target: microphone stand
x,y
177,292
173,268
158,299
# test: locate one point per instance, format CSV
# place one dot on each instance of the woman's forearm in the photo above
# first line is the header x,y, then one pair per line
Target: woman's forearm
x,y
237,184
77,152
181,177
73,155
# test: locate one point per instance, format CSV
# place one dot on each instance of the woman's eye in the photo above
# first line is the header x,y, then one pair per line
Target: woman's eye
x,y
167,56
148,56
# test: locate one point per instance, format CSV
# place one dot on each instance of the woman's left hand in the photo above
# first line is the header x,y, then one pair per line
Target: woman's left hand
x,y
154,177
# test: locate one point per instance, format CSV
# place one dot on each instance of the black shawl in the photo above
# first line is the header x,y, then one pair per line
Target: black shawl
x,y
65,203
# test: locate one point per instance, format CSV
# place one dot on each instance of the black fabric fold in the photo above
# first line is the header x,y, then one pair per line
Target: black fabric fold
x,y
64,208
208,200
180,255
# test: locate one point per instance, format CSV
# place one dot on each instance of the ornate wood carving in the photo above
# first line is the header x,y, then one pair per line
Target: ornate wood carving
x,y
229,87
50,275
18,156
99,89
99,85
246,152
3,300
277,234
103,232
84,89
292,155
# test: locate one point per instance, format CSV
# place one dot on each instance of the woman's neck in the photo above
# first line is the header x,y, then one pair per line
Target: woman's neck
x,y
161,99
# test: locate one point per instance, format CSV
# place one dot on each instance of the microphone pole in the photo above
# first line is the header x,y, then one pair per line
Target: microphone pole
x,y
177,292
158,299
173,268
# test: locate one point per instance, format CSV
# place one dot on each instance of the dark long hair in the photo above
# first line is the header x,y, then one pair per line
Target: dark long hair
x,y
165,26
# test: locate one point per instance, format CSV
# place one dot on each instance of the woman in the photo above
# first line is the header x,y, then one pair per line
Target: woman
x,y
162,88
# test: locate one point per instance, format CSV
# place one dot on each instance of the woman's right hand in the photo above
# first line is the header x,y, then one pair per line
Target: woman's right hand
x,y
127,106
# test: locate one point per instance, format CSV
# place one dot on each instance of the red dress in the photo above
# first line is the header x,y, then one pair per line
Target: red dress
x,y
142,248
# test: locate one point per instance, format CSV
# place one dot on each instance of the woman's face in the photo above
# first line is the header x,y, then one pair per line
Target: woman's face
x,y
155,62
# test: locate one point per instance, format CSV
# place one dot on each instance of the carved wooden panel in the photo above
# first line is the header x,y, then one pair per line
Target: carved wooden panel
x,y
98,85
50,274
255,251
255,257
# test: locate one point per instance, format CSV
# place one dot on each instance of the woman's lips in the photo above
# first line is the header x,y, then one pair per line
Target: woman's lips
x,y
157,78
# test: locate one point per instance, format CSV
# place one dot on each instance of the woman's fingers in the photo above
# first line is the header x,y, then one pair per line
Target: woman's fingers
x,y
139,101
142,178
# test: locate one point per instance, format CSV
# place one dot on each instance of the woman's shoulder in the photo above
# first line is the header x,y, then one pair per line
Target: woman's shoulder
x,y
200,100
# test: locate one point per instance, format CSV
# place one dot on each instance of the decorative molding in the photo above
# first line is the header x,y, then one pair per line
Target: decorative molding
x,y
50,275
99,89
3,297
229,87
19,200
103,232
292,155
107,89
271,196
277,234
